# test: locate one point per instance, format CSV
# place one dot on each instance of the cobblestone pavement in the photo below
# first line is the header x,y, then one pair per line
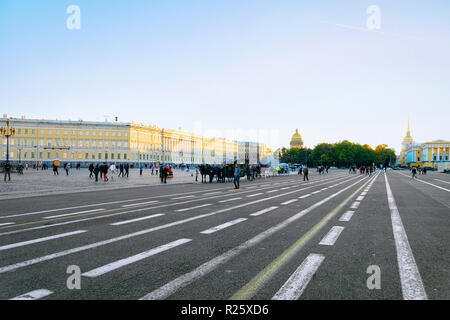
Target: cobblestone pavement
x,y
38,182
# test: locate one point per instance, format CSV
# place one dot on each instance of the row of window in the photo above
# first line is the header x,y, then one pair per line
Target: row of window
x,y
93,133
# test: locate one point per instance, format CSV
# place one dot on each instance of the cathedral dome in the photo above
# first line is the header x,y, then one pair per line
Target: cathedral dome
x,y
296,141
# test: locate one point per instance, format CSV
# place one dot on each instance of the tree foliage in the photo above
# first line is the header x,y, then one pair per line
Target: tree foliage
x,y
340,154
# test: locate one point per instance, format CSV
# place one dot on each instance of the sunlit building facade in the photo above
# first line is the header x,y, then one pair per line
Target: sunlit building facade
x,y
85,142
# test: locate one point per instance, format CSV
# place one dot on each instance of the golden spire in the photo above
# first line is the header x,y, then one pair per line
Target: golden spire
x,y
408,133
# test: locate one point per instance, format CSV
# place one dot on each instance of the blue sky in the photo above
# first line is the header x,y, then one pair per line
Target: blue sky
x,y
233,65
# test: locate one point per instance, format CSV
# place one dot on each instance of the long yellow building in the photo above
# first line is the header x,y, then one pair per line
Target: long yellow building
x,y
86,142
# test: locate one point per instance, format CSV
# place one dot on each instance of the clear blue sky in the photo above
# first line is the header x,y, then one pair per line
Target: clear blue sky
x,y
258,64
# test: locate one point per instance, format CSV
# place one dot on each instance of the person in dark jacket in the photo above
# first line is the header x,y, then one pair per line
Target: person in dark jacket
x,y
121,170
91,169
7,168
305,174
163,172
96,171
237,176
127,169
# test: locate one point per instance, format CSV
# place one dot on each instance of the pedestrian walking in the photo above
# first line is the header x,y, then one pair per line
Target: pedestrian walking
x,y
112,170
121,173
91,170
163,172
141,166
67,168
305,174
196,174
105,171
96,172
237,176
7,168
414,172
55,170
127,169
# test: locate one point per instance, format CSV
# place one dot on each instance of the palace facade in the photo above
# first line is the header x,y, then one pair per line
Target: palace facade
x,y
87,141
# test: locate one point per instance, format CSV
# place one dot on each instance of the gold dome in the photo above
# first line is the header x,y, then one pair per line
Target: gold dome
x,y
296,141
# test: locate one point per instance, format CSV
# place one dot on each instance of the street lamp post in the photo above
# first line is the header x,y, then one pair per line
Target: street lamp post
x,y
7,132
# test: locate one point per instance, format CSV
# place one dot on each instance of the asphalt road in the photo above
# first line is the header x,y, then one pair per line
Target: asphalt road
x,y
338,236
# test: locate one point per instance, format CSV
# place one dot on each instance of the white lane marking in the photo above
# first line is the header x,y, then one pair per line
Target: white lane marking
x,y
211,193
136,204
263,211
288,202
7,223
192,208
33,295
305,196
355,205
254,195
331,236
323,189
70,208
442,181
73,213
315,192
180,282
25,243
411,281
272,191
156,207
185,197
360,198
297,282
285,188
364,193
137,219
228,200
431,184
346,216
168,225
126,261
223,226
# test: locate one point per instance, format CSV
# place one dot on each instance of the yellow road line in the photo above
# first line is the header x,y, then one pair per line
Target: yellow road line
x,y
253,286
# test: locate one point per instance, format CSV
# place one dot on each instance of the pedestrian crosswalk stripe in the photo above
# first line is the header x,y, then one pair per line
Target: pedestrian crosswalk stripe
x,y
73,213
137,204
25,243
223,226
346,216
34,295
263,211
124,262
192,208
298,281
137,219
331,236
355,205
289,202
228,200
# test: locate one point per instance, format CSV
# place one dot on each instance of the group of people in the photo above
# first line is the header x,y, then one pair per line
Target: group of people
x,y
367,170
104,169
415,171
